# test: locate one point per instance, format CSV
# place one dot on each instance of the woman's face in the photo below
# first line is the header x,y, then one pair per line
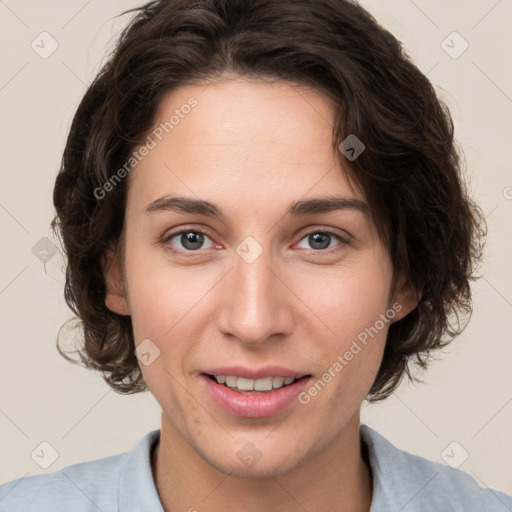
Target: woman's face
x,y
264,284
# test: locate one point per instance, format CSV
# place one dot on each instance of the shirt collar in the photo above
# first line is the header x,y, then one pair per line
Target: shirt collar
x,y
397,480
137,490
392,483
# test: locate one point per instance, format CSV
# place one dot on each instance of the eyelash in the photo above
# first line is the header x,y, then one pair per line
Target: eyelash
x,y
343,242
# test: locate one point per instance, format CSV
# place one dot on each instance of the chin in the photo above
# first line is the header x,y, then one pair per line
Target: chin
x,y
260,470
259,459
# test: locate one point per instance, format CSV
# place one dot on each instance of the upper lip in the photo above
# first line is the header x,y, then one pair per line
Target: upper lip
x,y
255,373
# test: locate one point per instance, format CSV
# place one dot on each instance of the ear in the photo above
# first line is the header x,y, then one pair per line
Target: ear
x,y
406,297
115,296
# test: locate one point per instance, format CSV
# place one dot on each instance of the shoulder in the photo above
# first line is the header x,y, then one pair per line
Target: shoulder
x,y
404,480
74,487
101,484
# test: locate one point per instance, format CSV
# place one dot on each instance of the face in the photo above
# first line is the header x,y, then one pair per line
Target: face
x,y
251,287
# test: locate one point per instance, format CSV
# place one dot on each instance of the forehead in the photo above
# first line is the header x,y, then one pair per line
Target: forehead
x,y
241,142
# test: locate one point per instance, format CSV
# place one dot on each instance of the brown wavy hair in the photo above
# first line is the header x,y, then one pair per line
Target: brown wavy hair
x,y
410,171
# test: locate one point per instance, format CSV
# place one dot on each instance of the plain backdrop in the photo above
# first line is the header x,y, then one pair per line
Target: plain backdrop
x,y
464,409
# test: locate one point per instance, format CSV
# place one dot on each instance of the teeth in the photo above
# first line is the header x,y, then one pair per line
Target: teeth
x,y
264,384
230,381
243,384
277,382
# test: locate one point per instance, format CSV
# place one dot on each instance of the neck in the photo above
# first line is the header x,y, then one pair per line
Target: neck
x,y
335,479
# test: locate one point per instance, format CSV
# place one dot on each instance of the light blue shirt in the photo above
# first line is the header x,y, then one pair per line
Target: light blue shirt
x,y
402,482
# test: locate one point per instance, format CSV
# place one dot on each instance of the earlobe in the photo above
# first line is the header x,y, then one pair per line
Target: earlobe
x,y
407,298
115,295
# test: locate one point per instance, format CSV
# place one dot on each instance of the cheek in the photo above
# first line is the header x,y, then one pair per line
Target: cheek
x,y
161,305
168,306
352,299
352,306
161,295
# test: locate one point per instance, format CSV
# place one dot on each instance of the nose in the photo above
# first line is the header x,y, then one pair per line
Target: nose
x,y
256,303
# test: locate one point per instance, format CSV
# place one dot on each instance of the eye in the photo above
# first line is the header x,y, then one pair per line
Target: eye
x,y
190,239
322,240
194,240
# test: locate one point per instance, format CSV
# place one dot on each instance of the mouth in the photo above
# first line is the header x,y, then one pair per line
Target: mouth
x,y
254,386
254,398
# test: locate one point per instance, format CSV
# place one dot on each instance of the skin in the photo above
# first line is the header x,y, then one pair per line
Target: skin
x,y
252,148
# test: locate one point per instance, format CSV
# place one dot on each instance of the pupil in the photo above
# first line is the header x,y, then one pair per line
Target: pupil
x,y
319,238
192,240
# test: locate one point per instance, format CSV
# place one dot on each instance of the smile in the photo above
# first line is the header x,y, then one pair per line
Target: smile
x,y
254,398
244,385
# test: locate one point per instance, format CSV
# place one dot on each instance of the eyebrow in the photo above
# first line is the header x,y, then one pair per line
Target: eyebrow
x,y
296,209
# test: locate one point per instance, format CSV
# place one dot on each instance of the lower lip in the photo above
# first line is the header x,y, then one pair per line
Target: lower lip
x,y
254,405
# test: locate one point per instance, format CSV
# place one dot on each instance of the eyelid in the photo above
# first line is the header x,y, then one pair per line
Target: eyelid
x,y
318,228
343,239
172,234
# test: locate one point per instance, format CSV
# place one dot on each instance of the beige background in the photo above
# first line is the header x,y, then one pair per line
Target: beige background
x,y
468,394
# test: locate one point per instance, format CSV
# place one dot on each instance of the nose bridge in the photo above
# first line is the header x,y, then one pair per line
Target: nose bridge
x,y
254,307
